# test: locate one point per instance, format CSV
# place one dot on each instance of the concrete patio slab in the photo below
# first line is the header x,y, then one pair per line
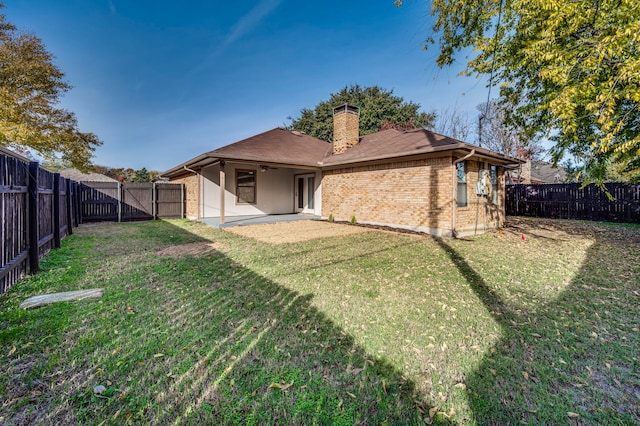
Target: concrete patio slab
x,y
231,221
296,232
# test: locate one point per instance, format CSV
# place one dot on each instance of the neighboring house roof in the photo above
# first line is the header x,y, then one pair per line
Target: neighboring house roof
x,y
547,173
537,172
292,148
395,143
78,176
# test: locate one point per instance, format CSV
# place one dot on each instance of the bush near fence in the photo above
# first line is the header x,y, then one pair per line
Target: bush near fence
x,y
573,201
39,208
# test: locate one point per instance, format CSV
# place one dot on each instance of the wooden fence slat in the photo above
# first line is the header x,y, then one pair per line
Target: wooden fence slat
x,y
56,210
34,257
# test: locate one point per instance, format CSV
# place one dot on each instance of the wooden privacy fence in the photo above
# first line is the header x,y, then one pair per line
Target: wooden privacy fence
x,y
36,213
115,201
39,208
571,201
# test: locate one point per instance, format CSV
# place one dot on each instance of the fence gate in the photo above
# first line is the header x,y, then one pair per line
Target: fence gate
x,y
115,201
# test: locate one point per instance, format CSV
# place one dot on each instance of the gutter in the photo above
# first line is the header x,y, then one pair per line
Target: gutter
x,y
454,191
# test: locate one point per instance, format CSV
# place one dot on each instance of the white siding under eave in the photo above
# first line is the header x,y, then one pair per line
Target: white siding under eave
x,y
274,191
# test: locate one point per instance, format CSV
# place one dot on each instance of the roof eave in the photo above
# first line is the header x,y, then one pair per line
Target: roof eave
x,y
460,146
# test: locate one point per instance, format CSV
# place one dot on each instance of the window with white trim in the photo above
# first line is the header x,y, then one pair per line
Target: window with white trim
x,y
461,169
494,184
246,186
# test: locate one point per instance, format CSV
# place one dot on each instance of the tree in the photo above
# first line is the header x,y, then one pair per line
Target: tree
x,y
494,132
30,88
141,175
571,68
377,105
453,123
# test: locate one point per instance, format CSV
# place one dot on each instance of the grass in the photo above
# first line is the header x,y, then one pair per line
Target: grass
x,y
372,328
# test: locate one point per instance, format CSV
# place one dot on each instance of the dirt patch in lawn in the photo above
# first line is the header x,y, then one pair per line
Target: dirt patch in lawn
x,y
295,232
192,249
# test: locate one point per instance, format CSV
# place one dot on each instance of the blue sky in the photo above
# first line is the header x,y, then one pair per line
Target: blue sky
x,y
161,82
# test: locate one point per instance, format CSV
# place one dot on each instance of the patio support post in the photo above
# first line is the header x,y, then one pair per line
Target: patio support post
x,y
222,186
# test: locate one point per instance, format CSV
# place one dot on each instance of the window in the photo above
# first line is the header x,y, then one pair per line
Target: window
x,y
311,186
461,168
245,186
494,184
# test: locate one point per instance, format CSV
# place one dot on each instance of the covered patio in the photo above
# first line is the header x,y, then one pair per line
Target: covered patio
x,y
230,221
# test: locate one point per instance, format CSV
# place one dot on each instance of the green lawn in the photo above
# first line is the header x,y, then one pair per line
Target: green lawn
x,y
372,328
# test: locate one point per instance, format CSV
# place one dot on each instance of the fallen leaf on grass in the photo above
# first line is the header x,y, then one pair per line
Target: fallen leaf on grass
x,y
13,349
352,395
356,371
283,387
158,355
433,411
572,415
446,415
460,386
525,375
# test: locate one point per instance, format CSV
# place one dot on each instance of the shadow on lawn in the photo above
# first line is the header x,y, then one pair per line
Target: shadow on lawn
x,y
574,360
215,343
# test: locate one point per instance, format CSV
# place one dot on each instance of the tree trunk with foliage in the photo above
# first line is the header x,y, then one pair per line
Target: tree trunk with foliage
x,y
377,106
571,67
495,134
30,88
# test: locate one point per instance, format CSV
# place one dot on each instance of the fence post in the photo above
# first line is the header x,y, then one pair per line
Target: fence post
x,y
154,201
68,207
182,201
119,202
56,210
34,258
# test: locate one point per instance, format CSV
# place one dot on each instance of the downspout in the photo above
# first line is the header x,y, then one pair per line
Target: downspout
x,y
454,192
199,186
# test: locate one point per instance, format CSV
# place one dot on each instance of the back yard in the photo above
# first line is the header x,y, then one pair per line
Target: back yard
x,y
204,326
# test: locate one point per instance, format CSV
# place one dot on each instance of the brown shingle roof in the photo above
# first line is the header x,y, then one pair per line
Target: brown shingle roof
x,y
395,143
276,146
281,146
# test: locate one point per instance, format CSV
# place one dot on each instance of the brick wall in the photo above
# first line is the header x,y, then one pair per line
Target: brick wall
x,y
415,194
412,194
192,193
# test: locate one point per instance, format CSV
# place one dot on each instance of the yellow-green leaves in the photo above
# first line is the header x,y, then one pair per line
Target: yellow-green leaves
x,y
571,67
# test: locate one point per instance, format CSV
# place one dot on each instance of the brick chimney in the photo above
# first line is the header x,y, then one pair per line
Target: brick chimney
x,y
346,127
525,172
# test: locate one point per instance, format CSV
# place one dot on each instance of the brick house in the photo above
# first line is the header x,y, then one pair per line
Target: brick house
x,y
414,179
